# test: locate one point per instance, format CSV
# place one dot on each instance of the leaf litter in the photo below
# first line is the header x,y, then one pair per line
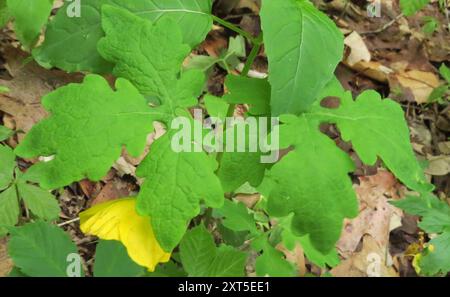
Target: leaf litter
x,y
399,60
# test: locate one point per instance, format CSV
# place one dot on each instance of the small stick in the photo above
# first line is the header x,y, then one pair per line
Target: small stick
x,y
68,222
387,25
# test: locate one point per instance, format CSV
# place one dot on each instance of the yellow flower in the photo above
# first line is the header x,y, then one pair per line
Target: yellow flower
x,y
118,220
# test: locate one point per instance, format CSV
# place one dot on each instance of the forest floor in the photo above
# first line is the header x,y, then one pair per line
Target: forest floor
x,y
393,54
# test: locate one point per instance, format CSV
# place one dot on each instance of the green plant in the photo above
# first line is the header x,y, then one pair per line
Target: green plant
x,y
14,188
441,93
144,43
434,259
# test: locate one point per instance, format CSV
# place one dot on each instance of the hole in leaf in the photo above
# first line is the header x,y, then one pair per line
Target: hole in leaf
x,y
330,102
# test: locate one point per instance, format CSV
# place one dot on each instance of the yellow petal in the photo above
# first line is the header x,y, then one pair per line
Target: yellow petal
x,y
118,220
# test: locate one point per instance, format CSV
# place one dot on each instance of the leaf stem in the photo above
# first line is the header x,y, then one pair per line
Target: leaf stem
x,y
234,28
257,43
253,54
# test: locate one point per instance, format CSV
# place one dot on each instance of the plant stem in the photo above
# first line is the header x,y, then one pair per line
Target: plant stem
x,y
257,43
253,54
234,28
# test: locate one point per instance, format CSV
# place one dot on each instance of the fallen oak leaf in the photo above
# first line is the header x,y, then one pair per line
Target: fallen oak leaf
x,y
370,261
376,214
420,83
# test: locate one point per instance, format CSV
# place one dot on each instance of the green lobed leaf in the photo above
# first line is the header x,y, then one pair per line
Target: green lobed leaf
x,y
150,56
170,199
437,260
201,257
71,42
377,128
312,182
41,203
175,183
112,260
7,165
29,18
88,126
295,32
41,250
435,219
410,7
435,213
9,210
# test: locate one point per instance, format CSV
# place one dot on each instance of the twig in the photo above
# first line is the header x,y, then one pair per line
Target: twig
x,y
384,27
68,222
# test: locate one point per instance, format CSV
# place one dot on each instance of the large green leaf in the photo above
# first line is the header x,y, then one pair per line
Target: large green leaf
x,y
173,188
193,16
9,210
88,126
71,42
150,56
141,51
201,257
29,18
41,250
312,182
112,260
303,47
377,128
